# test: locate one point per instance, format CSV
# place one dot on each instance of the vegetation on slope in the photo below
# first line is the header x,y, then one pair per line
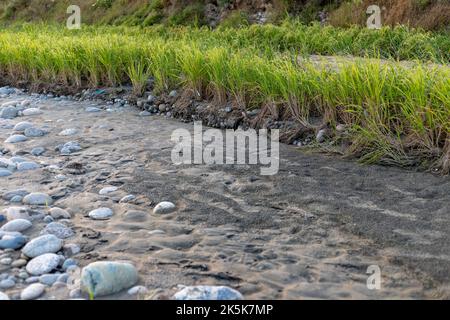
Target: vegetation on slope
x,y
396,113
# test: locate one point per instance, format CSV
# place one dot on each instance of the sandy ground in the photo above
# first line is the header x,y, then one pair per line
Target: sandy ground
x,y
311,231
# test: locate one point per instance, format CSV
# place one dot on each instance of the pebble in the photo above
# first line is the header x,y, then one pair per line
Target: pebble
x,y
16,199
107,190
101,214
33,132
107,277
7,284
8,112
48,243
17,225
127,198
49,279
48,219
71,249
37,151
68,263
19,263
29,165
15,138
12,241
162,107
93,109
10,194
70,147
31,111
58,229
208,293
164,207
21,126
68,132
58,213
173,93
6,261
37,198
33,279
137,290
13,213
321,135
44,263
144,113
33,291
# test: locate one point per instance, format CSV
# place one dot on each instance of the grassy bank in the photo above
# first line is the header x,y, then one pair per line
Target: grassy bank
x,y
394,113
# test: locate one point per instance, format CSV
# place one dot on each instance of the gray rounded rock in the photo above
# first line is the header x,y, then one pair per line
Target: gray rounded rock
x,y
108,277
16,138
164,207
58,229
8,112
44,263
33,291
3,296
21,126
48,243
28,165
38,198
33,132
208,293
5,172
17,225
101,214
31,111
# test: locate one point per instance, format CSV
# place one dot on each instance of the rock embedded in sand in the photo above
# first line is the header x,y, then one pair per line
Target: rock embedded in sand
x,y
17,225
164,207
37,151
93,109
127,198
31,111
22,126
49,278
137,290
38,199
107,190
58,229
208,293
48,243
8,112
7,284
70,147
13,241
33,291
27,165
101,214
58,213
33,132
108,277
68,132
16,138
11,194
44,263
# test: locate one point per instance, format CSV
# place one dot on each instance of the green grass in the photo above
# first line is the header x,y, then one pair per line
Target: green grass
x,y
395,113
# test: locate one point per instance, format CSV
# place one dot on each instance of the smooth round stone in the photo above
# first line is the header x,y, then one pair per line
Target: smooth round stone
x,y
70,147
38,198
68,132
7,284
71,249
107,277
6,261
137,290
5,172
38,151
101,214
8,112
93,109
127,198
18,159
58,213
164,207
33,279
13,213
16,138
144,113
208,293
63,278
48,243
17,225
12,241
43,264
68,263
33,132
3,296
48,219
58,229
10,194
107,190
19,263
33,291
48,279
31,111
21,126
29,165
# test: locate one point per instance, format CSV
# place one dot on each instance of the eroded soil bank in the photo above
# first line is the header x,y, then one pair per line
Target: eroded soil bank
x,y
311,231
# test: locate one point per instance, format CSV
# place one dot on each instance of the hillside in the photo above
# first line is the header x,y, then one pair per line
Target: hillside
x,y
428,14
